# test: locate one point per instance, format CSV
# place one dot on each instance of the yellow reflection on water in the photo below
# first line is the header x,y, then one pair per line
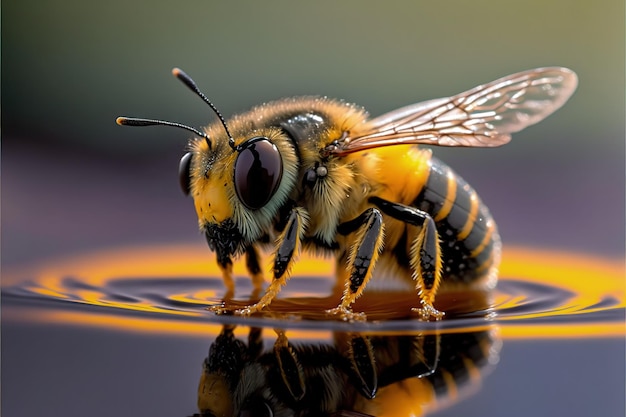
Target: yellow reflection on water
x,y
590,281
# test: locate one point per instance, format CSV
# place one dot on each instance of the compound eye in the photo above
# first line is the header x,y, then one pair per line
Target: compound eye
x,y
184,172
258,170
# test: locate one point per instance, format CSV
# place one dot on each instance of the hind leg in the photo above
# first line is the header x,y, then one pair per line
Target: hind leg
x,y
424,256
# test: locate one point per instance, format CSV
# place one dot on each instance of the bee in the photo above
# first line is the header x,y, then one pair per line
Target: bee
x,y
317,174
350,374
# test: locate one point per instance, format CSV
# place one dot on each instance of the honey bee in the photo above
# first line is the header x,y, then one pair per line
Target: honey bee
x,y
317,174
349,374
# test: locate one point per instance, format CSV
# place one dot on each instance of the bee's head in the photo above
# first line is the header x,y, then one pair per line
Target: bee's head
x,y
238,186
238,183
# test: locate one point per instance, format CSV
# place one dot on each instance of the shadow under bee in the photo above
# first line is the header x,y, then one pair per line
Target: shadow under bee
x,y
348,374
382,305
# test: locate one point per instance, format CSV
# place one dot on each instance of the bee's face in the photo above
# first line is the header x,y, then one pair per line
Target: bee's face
x,y
237,192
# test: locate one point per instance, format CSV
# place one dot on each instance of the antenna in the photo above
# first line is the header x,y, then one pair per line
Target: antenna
x,y
186,79
133,121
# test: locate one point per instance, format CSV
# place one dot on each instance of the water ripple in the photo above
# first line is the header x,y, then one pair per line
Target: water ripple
x,y
527,296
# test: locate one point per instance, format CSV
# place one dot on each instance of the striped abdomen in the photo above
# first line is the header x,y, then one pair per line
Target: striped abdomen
x,y
470,243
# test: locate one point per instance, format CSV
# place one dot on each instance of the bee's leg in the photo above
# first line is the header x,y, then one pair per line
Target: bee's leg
x,y
425,254
425,357
363,255
420,355
289,366
363,364
226,266
255,342
254,268
289,244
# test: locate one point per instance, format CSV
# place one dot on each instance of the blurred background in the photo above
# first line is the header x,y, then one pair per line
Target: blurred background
x,y
73,180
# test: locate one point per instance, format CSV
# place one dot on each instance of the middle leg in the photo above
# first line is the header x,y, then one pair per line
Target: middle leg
x,y
362,257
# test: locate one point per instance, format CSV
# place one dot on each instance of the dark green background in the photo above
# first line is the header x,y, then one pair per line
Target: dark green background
x,y
69,68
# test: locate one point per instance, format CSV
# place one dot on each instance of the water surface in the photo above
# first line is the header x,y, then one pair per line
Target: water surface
x,y
555,315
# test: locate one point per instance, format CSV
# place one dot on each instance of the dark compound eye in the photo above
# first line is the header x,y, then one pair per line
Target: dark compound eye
x,y
184,175
258,171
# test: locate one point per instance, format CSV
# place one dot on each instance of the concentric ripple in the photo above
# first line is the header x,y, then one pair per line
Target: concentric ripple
x,y
168,288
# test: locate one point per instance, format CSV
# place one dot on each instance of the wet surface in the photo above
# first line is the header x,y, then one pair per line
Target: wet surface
x,y
177,282
127,331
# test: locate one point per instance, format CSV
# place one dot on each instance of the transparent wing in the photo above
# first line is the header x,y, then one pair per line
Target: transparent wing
x,y
484,116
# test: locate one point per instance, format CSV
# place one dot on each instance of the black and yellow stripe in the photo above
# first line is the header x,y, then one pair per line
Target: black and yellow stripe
x,y
465,226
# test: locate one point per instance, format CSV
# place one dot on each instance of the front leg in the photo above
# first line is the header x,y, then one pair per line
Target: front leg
x,y
226,266
289,244
363,255
425,253
253,264
225,263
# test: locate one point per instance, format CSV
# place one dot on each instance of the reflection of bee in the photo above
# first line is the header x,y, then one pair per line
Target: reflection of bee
x,y
317,173
354,375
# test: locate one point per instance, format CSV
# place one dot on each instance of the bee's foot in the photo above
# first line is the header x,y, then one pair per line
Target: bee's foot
x,y
221,309
245,312
427,312
346,314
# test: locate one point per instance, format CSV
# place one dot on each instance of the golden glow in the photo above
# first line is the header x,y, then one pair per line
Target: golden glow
x,y
581,330
590,281
412,395
395,162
